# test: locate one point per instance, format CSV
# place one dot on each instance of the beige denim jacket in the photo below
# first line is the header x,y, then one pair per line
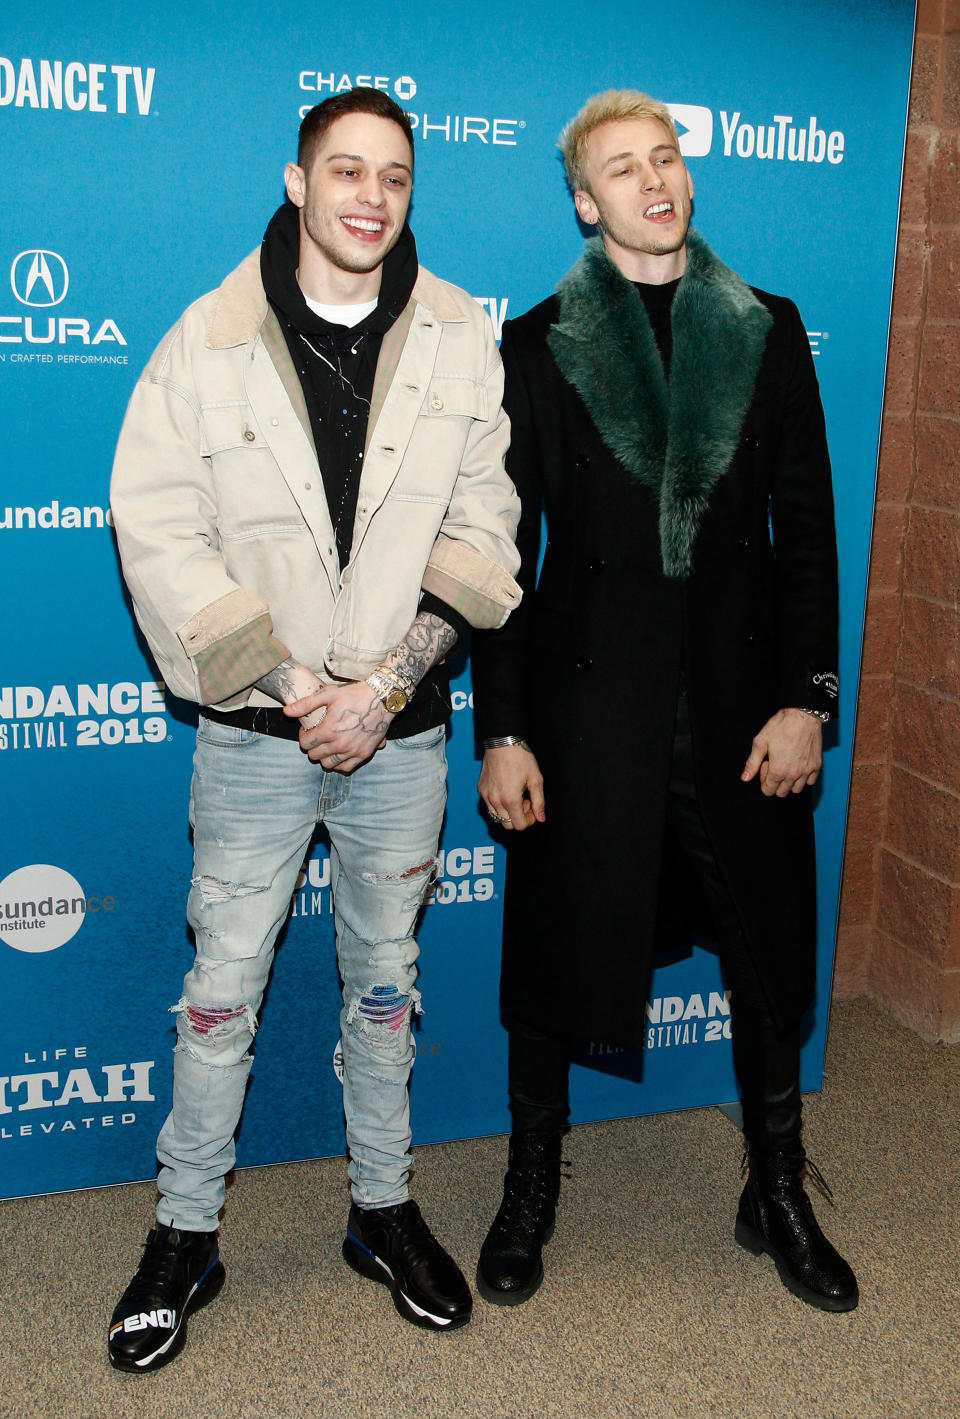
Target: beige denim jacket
x,y
223,527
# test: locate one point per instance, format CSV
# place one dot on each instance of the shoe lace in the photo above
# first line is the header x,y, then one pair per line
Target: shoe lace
x,y
807,1168
529,1194
819,1180
413,1240
158,1266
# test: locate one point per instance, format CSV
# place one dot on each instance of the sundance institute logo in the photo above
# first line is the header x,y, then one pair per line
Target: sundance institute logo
x,y
41,907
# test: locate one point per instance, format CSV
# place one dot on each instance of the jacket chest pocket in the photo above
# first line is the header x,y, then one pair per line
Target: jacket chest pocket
x,y
451,396
227,427
251,493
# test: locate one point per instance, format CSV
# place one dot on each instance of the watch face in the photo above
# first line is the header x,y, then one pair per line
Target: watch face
x,y
395,701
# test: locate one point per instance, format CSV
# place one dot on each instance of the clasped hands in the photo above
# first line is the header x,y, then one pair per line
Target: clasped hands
x,y
341,725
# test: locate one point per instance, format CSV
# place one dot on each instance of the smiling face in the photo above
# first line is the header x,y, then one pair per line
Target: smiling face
x,y
639,194
353,203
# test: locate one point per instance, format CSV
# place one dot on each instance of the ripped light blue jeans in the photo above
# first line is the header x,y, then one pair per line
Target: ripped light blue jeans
x,y
254,805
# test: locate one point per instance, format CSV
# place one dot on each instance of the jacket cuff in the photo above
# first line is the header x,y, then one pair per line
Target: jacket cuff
x,y
480,590
434,606
231,644
812,689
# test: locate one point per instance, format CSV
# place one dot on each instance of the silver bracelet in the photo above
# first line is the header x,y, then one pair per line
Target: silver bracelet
x,y
823,715
504,742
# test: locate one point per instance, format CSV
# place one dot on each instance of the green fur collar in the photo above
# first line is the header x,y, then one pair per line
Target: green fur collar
x,y
676,440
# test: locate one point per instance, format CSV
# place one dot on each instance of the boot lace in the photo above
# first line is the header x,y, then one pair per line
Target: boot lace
x,y
807,1168
529,1198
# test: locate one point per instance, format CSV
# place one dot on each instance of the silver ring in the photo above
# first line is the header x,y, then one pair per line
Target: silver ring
x,y
494,817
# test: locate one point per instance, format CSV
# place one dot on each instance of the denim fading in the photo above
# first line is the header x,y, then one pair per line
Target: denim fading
x,y
255,802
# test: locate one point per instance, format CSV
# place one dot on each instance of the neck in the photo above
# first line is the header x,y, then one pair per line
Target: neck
x,y
652,268
319,279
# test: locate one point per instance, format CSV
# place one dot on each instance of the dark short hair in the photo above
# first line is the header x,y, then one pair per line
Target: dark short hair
x,y
320,118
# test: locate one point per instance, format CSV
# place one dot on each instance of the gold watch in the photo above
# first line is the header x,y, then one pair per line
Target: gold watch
x,y
393,689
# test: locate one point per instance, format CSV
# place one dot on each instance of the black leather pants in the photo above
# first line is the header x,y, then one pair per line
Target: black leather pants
x,y
767,1062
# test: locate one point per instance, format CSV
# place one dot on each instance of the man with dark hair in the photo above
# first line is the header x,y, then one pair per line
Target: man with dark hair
x,y
318,119
311,508
652,715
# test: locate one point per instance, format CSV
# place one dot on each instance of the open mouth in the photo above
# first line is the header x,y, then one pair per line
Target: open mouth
x,y
366,228
659,212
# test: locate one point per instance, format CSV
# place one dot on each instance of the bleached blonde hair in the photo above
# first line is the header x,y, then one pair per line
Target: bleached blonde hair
x,y
612,106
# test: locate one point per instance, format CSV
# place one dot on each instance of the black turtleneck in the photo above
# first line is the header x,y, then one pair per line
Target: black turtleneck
x,y
658,303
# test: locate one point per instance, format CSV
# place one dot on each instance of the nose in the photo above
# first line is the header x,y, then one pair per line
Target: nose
x,y
371,193
652,179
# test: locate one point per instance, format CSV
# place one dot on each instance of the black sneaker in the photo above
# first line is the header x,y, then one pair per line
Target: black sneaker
x,y
179,1273
394,1245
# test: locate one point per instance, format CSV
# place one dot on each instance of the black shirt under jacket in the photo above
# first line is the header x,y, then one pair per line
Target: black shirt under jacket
x,y
336,367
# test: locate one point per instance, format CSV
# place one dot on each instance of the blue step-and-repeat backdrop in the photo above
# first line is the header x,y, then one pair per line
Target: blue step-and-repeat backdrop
x,y
141,151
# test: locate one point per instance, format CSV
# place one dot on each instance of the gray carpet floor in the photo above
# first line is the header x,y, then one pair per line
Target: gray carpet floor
x,y
648,1307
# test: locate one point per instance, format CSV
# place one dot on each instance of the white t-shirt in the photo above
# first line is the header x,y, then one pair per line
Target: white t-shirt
x,y
348,315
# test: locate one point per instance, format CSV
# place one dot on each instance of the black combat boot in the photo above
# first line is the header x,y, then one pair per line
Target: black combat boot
x,y
510,1267
775,1215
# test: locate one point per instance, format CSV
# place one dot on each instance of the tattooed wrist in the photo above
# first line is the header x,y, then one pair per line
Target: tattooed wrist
x,y
428,640
289,681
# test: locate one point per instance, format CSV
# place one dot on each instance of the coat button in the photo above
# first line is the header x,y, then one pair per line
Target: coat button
x,y
436,402
596,564
743,542
582,462
585,663
249,435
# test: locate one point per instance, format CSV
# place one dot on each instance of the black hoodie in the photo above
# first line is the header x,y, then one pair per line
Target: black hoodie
x,y
336,366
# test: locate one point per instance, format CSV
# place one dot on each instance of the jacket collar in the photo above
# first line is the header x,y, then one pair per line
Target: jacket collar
x,y
240,303
677,439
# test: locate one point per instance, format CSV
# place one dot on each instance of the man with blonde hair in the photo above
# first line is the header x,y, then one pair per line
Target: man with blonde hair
x,y
652,715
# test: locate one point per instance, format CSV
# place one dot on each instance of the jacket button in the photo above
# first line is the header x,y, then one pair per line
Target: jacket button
x,y
582,462
585,663
596,564
436,402
743,542
249,435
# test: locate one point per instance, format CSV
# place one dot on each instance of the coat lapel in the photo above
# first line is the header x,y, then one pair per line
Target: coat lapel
x,y
676,441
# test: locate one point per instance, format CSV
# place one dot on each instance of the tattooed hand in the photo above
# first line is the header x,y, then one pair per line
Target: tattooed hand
x,y
354,719
351,728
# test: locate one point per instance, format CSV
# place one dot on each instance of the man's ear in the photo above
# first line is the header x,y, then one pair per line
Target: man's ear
x,y
294,180
586,207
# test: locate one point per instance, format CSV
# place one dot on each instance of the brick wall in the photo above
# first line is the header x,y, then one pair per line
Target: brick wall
x,y
899,935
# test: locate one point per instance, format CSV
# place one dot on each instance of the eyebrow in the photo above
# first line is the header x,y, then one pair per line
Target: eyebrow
x,y
359,158
629,153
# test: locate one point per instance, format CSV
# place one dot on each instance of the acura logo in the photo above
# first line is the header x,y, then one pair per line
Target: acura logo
x,y
39,278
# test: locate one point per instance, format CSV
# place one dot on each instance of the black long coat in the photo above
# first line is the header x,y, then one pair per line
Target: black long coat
x,y
588,668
